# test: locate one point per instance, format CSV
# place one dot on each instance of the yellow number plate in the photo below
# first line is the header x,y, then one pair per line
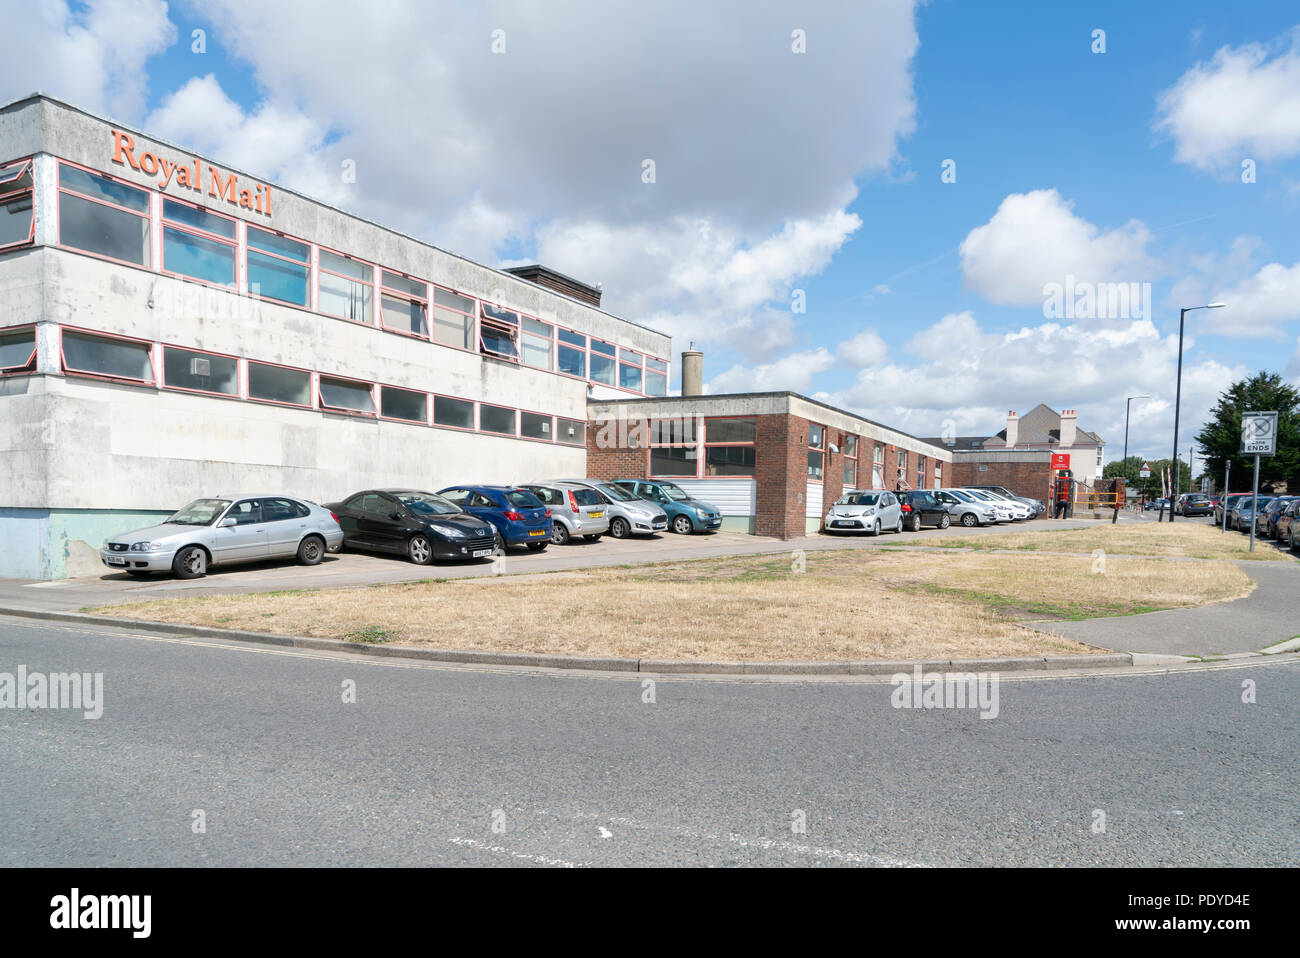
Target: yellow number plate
x,y
596,515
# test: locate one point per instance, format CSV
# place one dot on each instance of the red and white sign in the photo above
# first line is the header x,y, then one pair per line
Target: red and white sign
x,y
1145,471
1060,460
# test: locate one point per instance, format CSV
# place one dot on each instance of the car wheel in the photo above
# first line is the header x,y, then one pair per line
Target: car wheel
x,y
875,528
311,550
498,543
898,528
537,546
418,550
944,521
969,519
682,526
190,563
916,523
619,528
595,538
560,534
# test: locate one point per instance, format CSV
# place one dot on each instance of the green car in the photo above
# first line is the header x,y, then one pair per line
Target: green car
x,y
685,515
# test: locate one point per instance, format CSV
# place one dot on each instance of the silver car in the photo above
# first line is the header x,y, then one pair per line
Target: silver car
x,y
965,508
629,515
865,510
575,510
1001,507
226,530
1018,510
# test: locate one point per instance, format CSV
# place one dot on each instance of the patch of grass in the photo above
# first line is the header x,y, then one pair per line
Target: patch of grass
x,y
373,635
1190,539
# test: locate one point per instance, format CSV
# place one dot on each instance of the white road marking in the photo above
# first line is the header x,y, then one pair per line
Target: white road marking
x,y
604,832
522,856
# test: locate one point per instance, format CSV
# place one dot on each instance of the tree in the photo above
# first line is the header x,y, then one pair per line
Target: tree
x,y
1131,469
1220,438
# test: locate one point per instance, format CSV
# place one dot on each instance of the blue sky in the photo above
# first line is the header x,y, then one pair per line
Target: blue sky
x,y
780,172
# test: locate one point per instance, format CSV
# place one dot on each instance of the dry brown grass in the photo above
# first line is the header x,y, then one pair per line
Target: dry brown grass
x,y
845,605
1189,538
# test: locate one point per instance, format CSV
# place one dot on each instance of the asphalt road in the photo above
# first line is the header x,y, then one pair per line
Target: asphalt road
x,y
576,769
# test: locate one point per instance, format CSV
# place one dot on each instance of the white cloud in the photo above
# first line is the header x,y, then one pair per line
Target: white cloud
x,y
1242,104
865,349
94,57
1258,305
794,372
1035,239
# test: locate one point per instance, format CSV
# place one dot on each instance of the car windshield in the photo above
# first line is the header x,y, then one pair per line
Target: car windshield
x,y
427,504
859,499
963,496
200,512
673,492
617,493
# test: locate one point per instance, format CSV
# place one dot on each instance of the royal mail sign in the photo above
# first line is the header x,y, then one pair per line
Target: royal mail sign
x,y
1060,460
194,175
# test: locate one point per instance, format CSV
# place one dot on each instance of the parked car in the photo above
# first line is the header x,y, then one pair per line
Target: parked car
x,y
1194,504
1242,516
575,510
865,510
965,508
422,526
1001,508
1158,504
225,530
685,514
921,508
1288,530
1017,509
1266,520
519,517
1225,504
1037,506
629,515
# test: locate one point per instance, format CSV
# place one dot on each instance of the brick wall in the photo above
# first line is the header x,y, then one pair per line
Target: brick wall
x,y
608,456
1030,479
781,456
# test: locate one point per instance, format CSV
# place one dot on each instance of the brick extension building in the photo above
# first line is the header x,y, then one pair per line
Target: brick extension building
x,y
772,462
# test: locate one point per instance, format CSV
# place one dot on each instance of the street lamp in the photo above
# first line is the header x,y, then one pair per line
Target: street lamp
x,y
1178,394
1128,405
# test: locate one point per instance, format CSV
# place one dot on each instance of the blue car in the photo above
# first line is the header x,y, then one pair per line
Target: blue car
x,y
685,515
519,516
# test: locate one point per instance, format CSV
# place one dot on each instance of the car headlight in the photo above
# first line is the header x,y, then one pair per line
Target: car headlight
x,y
146,546
451,532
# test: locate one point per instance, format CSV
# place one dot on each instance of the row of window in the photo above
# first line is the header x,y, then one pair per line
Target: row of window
x,y
112,219
849,454
728,445
121,359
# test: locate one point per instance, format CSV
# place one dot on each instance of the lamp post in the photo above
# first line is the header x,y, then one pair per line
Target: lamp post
x,y
1128,405
1178,393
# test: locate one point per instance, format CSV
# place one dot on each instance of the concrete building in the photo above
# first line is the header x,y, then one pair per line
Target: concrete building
x,y
772,462
171,328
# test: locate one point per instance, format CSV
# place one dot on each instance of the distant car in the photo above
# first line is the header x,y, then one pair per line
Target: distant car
x,y
1288,530
1266,521
1225,504
575,510
1158,504
865,510
921,508
422,526
1195,504
519,517
965,508
1036,506
226,530
629,515
685,513
1001,507
1018,509
1242,516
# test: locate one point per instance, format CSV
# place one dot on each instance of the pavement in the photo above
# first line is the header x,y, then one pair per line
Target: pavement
x,y
444,765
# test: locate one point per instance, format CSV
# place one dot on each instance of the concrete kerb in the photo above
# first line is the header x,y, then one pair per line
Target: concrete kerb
x,y
593,663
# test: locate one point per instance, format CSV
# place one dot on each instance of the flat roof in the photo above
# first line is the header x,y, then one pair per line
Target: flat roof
x,y
38,95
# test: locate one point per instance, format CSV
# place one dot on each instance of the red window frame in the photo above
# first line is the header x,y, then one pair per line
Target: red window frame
x,y
87,374
500,325
165,224
351,279
147,217
478,409
311,272
647,371
240,373
707,444
344,410
248,384
564,442
28,367
519,424
428,405
473,427
524,332
10,195
406,296
653,442
855,458
472,317
584,349
819,447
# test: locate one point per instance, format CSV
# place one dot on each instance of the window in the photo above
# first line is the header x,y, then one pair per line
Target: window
x,y
200,372
496,419
656,377
920,472
878,467
17,224
938,474
453,319
17,351
457,413
110,358
102,216
198,244
729,447
404,404
346,288
278,267
850,462
346,395
572,353
816,455
603,361
629,377
572,432
279,384
536,343
246,513
534,425
279,510
673,448
498,333
404,304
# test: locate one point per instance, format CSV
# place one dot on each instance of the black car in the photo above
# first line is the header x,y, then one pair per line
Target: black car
x,y
1196,504
921,508
420,525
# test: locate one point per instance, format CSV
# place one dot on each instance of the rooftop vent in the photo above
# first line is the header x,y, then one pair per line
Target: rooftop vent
x,y
545,276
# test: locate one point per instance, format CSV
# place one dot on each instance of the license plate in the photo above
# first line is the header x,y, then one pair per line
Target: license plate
x,y
537,532
596,515
480,553
114,560
841,522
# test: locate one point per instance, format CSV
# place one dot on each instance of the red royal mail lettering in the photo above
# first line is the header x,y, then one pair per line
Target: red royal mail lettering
x,y
225,191
123,146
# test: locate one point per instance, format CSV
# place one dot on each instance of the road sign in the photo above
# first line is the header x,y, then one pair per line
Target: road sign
x,y
1060,460
1145,471
1259,433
